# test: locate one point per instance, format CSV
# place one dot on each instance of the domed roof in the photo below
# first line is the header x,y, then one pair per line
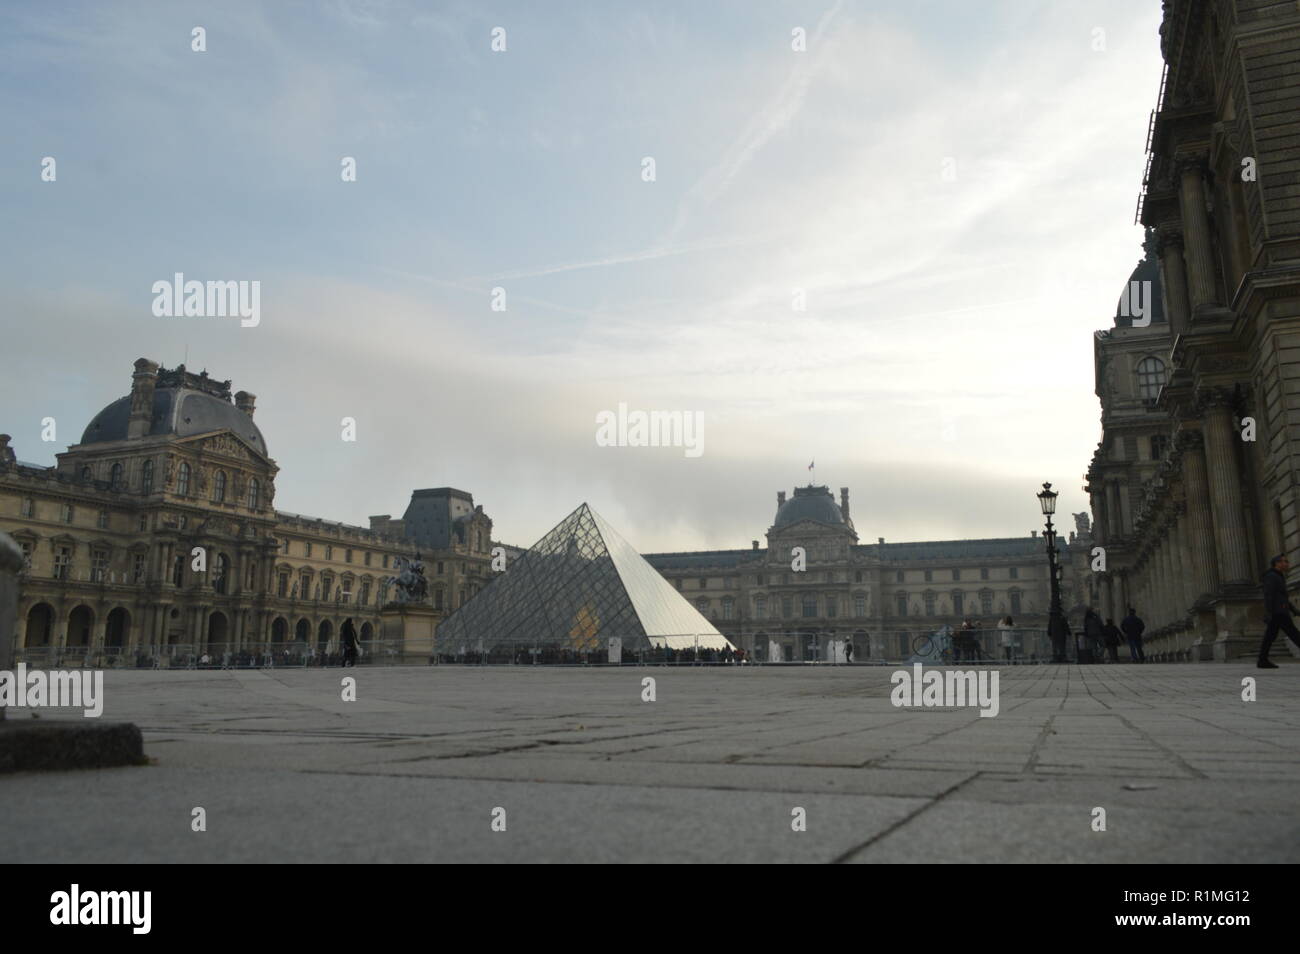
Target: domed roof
x,y
179,411
809,503
1147,295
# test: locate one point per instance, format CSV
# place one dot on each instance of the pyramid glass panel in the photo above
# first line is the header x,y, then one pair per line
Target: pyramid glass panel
x,y
575,589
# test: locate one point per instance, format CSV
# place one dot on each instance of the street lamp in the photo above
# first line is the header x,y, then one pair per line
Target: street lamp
x,y
1057,630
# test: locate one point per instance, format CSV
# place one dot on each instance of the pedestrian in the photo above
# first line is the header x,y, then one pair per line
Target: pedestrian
x,y
1277,609
349,645
1132,628
848,650
1110,637
1092,631
1007,637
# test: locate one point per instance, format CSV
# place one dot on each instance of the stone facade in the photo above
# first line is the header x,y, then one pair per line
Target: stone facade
x,y
177,470
882,596
1192,486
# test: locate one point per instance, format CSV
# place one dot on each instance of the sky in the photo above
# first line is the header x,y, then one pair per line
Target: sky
x,y
885,253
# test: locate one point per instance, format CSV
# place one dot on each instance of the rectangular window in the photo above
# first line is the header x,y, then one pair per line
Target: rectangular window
x,y
367,558
901,604
898,577
929,576
958,604
787,607
304,587
144,522
860,606
347,557
704,584
29,507
832,605
440,568
102,520
365,592
137,568
306,548
66,513
1015,573
760,608
1015,604
857,576
984,573
98,566
282,585
929,604
62,563
27,554
956,575
178,571
986,603
726,609
385,561
329,551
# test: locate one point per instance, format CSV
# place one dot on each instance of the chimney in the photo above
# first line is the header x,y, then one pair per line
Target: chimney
x,y
143,381
1033,533
844,502
7,456
755,542
245,401
880,540
780,497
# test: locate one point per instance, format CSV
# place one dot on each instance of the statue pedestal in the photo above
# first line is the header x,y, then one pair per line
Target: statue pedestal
x,y
413,625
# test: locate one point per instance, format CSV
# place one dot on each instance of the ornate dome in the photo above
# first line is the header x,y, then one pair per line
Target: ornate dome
x,y
1148,294
181,410
809,503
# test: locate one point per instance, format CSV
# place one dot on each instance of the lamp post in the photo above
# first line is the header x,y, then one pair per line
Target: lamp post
x,y
1056,628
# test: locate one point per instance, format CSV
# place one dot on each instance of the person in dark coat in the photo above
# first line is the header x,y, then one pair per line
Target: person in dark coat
x,y
1092,629
1110,636
1058,630
1133,627
1277,609
349,644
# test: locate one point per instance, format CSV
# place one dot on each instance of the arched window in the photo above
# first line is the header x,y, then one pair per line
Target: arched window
x,y
1150,378
221,572
254,494
183,481
219,487
146,477
115,477
87,473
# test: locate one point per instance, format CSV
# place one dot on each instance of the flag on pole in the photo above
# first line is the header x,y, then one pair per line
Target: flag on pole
x,y
810,465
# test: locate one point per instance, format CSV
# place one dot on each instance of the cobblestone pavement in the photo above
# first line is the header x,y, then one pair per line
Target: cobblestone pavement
x,y
717,768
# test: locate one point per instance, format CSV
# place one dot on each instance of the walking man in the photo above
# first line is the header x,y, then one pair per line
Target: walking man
x,y
1110,635
1132,627
1277,609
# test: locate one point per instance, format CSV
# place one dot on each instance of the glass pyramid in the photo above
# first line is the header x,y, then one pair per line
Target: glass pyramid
x,y
575,589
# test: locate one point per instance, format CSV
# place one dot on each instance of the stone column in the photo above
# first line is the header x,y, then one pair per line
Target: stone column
x,y
1225,485
1200,526
1198,251
1174,278
1117,597
1115,527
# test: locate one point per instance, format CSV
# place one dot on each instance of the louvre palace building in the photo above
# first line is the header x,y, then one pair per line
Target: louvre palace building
x,y
1193,486
178,466
882,597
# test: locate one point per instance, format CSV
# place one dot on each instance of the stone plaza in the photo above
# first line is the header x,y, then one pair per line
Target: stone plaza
x,y
721,766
